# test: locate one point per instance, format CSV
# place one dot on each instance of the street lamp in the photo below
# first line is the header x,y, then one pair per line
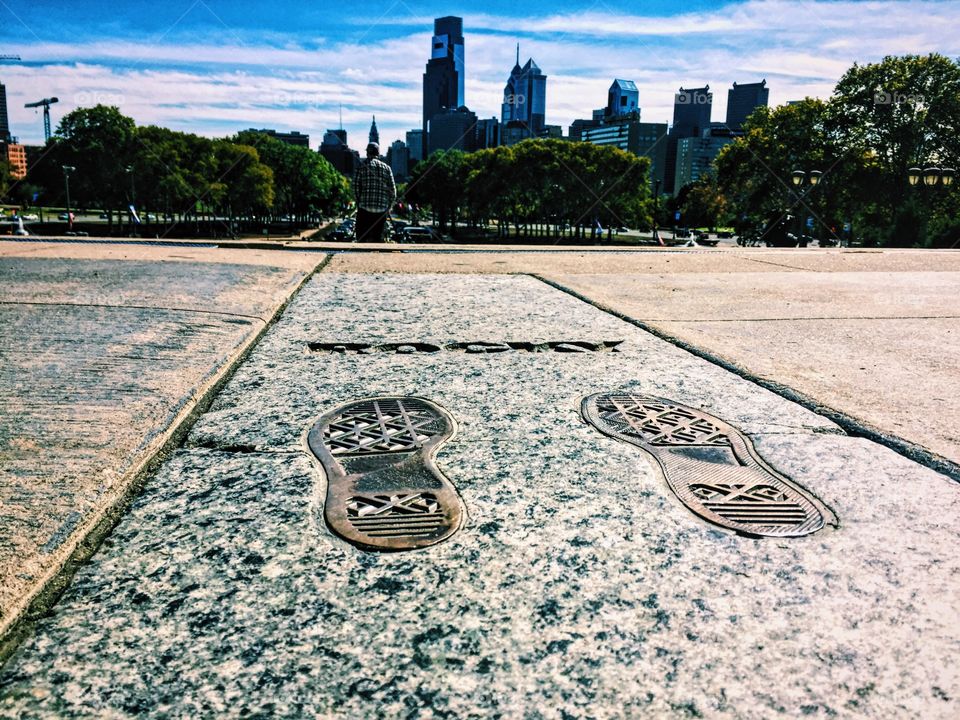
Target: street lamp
x,y
931,176
133,196
656,210
67,169
798,177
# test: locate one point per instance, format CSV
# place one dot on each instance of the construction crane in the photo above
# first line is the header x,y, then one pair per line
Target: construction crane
x,y
45,104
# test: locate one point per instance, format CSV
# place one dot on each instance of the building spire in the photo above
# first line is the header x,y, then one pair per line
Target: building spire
x,y
374,133
518,53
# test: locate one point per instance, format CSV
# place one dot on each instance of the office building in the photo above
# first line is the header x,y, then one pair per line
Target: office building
x,y
691,118
695,155
629,134
415,146
335,150
743,100
525,98
488,133
623,98
443,80
291,138
453,130
16,157
398,158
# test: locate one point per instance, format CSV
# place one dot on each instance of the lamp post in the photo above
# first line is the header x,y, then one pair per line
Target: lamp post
x,y
133,196
656,210
798,178
931,176
67,169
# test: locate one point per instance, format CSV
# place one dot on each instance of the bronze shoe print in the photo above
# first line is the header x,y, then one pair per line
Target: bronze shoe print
x,y
384,491
710,465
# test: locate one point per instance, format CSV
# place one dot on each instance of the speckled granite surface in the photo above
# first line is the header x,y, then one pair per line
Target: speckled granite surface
x,y
579,587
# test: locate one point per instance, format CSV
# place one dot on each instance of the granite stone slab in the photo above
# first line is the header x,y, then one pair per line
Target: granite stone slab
x,y
99,359
271,398
579,586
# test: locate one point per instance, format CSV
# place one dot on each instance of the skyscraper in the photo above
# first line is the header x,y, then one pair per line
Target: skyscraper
x,y
691,118
525,99
335,149
4,118
444,76
374,136
623,98
416,145
743,100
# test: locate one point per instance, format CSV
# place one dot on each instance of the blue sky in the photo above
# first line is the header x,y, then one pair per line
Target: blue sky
x,y
215,67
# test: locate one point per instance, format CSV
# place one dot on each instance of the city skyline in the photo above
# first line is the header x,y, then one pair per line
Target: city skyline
x,y
203,67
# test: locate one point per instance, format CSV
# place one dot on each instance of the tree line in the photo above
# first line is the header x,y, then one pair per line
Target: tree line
x,y
536,188
881,120
115,163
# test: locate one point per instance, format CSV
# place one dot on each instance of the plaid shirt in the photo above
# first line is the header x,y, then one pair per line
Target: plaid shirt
x,y
373,186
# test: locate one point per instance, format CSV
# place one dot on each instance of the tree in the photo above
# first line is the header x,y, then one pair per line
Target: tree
x,y
99,142
754,172
896,114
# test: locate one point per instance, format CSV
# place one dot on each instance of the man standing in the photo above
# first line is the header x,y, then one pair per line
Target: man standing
x,y
375,193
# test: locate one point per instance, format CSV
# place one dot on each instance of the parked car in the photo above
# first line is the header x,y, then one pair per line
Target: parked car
x,y
416,233
31,217
63,216
104,216
683,232
724,234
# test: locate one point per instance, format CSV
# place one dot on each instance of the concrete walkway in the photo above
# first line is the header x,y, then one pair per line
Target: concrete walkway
x,y
103,354
580,587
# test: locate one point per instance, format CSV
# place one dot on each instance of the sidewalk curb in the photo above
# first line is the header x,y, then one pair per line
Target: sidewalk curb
x,y
851,425
87,539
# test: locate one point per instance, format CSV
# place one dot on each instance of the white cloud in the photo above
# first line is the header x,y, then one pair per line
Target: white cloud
x,y
800,46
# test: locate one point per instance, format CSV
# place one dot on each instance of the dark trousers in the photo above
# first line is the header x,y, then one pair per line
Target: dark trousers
x,y
369,227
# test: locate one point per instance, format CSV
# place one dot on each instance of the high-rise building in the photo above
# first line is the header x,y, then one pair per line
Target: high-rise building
x,y
488,133
443,80
398,158
374,136
525,98
4,118
691,118
336,151
623,98
290,138
642,139
453,130
695,155
743,100
416,146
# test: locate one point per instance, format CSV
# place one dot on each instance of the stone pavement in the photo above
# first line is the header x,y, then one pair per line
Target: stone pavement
x,y
873,335
100,362
578,588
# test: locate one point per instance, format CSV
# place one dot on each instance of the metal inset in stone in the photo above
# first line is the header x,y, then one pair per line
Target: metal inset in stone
x,y
472,347
711,466
384,491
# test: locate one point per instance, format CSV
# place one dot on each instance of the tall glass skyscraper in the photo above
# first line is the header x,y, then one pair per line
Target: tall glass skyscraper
x,y
525,98
444,76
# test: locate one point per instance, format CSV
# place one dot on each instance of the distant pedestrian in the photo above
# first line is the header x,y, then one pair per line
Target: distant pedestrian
x,y
375,193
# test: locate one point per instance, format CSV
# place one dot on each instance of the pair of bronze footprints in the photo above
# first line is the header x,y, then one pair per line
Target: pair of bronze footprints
x,y
384,491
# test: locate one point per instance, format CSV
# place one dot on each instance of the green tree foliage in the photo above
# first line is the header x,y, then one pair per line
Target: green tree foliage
x,y
181,174
540,187
6,178
882,119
